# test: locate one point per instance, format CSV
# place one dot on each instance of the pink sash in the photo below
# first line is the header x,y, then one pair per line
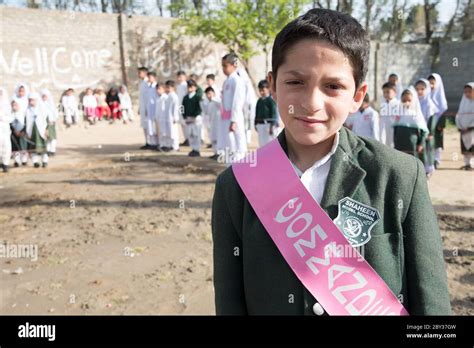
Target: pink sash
x,y
303,233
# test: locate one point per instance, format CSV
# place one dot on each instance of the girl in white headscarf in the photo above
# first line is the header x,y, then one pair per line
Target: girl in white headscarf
x,y
21,96
125,104
428,109
36,130
52,117
465,123
5,131
409,129
439,99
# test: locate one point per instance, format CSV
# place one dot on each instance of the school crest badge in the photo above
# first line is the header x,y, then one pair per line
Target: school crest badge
x,y
355,220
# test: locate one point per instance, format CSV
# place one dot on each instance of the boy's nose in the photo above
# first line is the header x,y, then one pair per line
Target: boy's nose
x,y
313,101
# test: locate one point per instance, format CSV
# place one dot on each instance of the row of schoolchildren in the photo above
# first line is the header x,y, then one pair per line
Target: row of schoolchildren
x,y
411,120
27,127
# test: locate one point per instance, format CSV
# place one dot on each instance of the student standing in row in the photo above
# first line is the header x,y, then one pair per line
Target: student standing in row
x,y
142,103
5,131
428,108
52,117
409,129
169,129
439,99
193,119
465,124
181,91
151,97
213,112
388,110
160,112
232,132
265,115
365,122
36,130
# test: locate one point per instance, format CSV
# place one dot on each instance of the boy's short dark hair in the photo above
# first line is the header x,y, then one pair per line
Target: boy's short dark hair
x,y
209,89
191,83
389,85
231,58
142,68
152,73
393,75
159,84
211,76
180,72
339,29
170,83
263,84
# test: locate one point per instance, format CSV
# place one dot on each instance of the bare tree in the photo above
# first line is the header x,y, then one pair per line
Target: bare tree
x,y
428,7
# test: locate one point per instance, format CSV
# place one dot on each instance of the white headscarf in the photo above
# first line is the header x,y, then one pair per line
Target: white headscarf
x,y
36,115
125,100
49,106
428,108
438,96
411,116
465,118
23,101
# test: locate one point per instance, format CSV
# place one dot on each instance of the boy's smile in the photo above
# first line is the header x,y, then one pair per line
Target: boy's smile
x,y
315,91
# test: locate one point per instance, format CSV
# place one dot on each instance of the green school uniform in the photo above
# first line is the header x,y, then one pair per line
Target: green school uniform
x,y
38,144
428,157
439,132
192,107
265,111
406,139
252,278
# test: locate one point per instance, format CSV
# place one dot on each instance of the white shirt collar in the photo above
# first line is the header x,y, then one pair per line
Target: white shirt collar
x,y
321,161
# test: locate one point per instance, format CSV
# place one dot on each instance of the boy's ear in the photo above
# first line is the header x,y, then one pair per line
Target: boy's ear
x,y
272,83
359,97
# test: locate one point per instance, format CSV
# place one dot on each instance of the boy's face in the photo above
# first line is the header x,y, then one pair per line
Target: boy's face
x,y
15,106
191,89
210,95
151,78
210,82
141,74
315,91
388,93
181,78
167,89
228,68
393,79
69,92
44,97
160,90
264,92
468,93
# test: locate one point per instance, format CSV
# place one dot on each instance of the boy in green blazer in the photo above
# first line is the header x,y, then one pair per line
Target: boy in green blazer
x,y
319,63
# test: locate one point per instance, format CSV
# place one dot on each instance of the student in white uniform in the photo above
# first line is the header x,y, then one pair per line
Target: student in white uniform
x,y
21,96
181,91
265,115
5,131
232,132
365,122
465,124
250,102
389,109
207,122
18,137
70,108
151,97
213,111
160,112
169,129
126,107
36,130
439,99
52,117
397,81
142,98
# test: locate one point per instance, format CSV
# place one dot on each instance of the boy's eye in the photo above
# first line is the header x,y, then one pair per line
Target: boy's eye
x,y
334,86
293,82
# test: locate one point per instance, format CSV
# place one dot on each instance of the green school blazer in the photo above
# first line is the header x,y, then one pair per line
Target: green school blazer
x,y
251,277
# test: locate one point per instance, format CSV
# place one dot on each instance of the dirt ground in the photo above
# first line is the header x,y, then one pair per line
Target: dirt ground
x,y
126,231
